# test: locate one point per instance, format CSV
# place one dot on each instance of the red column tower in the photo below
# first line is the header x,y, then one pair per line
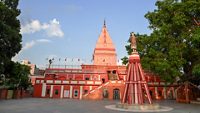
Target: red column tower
x,y
136,87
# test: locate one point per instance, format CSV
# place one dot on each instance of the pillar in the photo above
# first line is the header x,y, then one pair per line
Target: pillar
x,y
43,89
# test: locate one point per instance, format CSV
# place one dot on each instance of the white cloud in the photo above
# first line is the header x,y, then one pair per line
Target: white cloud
x,y
44,40
52,29
29,45
16,57
31,27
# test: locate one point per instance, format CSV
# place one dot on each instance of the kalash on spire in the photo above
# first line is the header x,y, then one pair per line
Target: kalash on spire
x,y
104,52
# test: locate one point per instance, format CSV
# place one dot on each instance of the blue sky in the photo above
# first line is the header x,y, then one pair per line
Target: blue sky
x,y
70,28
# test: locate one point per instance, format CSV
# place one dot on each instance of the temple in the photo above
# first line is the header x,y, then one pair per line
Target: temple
x,y
103,79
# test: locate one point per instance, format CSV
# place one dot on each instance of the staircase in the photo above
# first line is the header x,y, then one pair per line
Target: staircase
x,y
96,89
97,93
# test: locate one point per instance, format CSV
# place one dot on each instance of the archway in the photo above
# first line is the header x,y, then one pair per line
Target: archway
x,y
105,93
116,94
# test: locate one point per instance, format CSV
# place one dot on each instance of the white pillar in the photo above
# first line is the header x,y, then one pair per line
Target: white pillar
x,y
43,89
124,77
99,77
51,91
90,88
81,92
156,92
71,91
61,93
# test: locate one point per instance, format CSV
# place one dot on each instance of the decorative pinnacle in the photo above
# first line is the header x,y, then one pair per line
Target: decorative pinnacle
x,y
104,23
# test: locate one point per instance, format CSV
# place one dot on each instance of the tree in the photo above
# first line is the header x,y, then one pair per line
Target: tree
x,y
10,37
17,75
173,48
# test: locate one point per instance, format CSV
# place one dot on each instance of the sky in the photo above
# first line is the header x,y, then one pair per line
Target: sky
x,y
69,29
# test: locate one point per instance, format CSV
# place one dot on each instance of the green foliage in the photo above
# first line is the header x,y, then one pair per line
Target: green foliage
x,y
17,75
196,74
124,60
196,70
10,37
173,48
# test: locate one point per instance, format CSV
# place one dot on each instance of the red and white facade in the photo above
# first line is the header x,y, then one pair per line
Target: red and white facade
x,y
102,80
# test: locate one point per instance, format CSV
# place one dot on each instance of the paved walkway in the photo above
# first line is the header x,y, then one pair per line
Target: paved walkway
x,y
40,105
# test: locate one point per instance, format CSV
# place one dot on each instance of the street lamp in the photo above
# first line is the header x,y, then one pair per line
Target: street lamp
x,y
50,62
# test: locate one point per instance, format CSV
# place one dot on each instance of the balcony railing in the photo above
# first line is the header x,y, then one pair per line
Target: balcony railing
x,y
77,82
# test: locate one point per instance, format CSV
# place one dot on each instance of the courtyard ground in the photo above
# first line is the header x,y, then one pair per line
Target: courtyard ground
x,y
42,105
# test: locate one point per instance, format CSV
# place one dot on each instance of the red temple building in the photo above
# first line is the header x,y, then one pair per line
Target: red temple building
x,y
104,79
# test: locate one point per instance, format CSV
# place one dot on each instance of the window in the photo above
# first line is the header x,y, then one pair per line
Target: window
x,y
56,92
159,93
85,91
48,91
151,93
105,93
75,93
114,71
103,80
66,93
87,78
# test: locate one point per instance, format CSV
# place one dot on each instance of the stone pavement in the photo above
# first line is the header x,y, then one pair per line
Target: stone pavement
x,y
41,105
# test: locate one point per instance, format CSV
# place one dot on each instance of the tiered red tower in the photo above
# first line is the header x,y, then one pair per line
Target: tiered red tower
x,y
136,88
104,52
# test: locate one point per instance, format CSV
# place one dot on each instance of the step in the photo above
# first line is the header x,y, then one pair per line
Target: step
x,y
195,102
99,87
198,99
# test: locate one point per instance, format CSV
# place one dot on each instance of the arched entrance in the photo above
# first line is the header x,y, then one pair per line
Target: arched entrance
x,y
116,94
105,93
